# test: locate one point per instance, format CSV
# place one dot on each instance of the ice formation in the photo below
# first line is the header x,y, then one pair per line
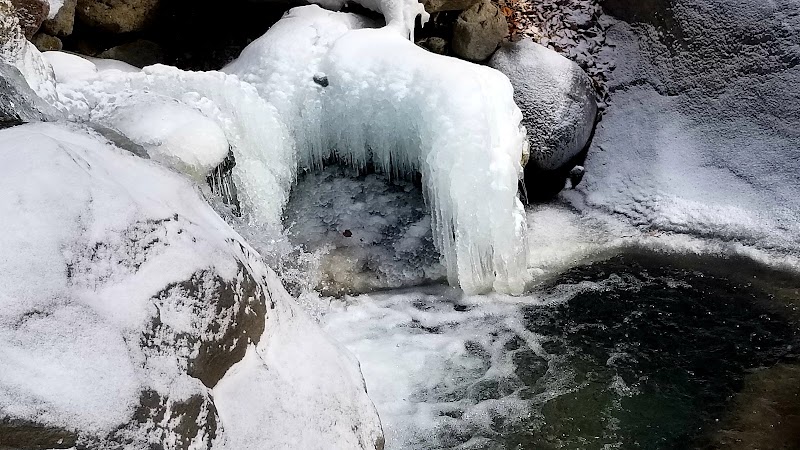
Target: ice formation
x,y
392,103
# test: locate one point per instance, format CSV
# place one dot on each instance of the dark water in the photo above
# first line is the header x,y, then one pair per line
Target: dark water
x,y
664,356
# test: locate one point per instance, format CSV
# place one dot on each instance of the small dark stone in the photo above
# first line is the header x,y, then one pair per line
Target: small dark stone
x,y
347,233
321,80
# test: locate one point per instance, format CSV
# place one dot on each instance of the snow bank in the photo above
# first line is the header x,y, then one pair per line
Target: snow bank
x,y
379,98
121,289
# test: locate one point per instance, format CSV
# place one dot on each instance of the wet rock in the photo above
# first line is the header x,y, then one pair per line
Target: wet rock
x,y
478,31
557,100
434,6
139,53
116,16
63,22
47,43
31,14
434,44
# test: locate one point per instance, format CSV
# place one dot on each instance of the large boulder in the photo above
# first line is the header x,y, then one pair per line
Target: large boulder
x,y
478,31
116,16
62,22
128,299
31,14
557,100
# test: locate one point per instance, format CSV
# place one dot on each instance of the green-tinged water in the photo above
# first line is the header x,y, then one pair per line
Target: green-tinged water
x,y
657,359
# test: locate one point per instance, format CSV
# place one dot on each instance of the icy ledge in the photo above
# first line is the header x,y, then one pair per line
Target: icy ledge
x,y
320,84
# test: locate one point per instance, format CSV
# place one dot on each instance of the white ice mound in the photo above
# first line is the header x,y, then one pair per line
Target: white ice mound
x,y
173,133
371,95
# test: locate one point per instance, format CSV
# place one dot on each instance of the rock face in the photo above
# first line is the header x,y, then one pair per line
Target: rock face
x,y
556,98
62,23
31,14
116,16
478,31
143,300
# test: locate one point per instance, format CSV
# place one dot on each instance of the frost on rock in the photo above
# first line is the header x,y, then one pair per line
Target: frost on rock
x,y
556,97
124,298
403,109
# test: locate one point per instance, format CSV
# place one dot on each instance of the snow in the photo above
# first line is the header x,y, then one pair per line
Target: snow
x,y
386,103
173,133
297,389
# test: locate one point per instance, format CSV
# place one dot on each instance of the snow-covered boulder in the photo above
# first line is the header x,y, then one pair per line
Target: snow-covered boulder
x,y
556,97
124,299
478,31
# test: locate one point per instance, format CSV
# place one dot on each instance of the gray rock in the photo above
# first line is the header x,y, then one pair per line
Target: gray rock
x,y
64,21
31,14
556,98
478,31
18,102
116,16
139,53
47,43
433,6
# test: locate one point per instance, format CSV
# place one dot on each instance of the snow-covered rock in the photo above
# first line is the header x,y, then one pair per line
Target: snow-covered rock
x,y
124,298
700,140
478,31
556,98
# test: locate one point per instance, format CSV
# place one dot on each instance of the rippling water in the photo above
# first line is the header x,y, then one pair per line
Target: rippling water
x,y
639,351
